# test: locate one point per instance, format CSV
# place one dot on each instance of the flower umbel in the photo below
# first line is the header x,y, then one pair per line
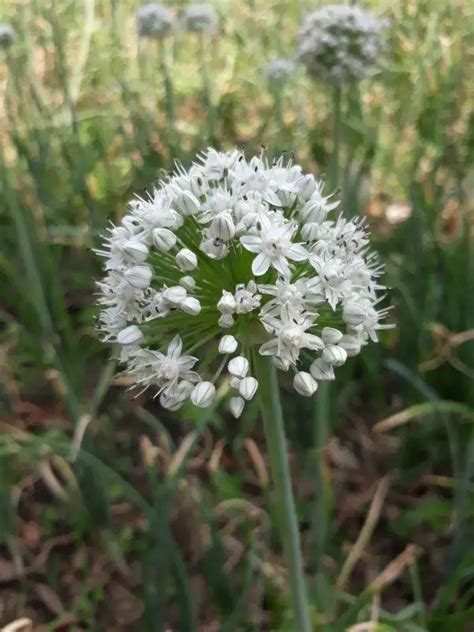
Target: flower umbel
x,y
340,43
228,255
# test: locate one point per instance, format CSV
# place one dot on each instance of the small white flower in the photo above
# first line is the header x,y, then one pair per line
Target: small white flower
x,y
238,366
136,251
164,239
228,344
304,384
227,303
203,394
353,313
175,295
186,260
191,305
187,203
334,355
131,335
321,370
351,344
331,336
248,387
223,226
139,276
273,246
188,283
226,321
236,406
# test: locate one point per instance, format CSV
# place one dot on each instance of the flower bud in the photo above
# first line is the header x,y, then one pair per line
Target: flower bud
x,y
331,336
228,344
351,344
136,251
321,370
139,276
234,381
248,387
191,305
163,238
313,211
310,231
227,303
236,406
188,203
186,259
226,321
223,226
353,314
203,394
304,384
175,295
188,283
130,336
306,187
334,355
238,366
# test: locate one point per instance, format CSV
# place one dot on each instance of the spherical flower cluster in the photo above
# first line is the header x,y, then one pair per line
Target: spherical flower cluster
x,y
340,43
279,70
154,20
200,18
230,256
7,35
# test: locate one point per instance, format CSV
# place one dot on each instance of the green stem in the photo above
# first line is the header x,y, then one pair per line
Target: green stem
x,y
321,431
265,373
334,167
169,95
207,91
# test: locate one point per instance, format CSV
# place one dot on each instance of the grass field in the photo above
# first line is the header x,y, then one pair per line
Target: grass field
x,y
118,515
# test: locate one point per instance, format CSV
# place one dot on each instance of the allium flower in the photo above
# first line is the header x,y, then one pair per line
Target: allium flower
x,y
340,43
154,20
279,70
7,35
200,18
230,255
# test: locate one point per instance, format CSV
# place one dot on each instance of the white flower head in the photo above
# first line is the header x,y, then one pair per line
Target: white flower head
x,y
341,43
7,35
219,258
278,71
200,18
154,20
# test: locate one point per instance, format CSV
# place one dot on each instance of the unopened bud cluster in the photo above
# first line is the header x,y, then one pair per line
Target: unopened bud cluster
x,y
231,255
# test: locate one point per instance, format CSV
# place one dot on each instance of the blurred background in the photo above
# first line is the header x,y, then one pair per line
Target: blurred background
x,y
118,515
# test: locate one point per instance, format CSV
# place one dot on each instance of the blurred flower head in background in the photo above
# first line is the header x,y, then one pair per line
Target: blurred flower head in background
x,y
200,18
7,35
279,70
341,43
229,255
154,20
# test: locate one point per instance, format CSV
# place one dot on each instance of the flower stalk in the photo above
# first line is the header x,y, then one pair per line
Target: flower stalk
x,y
265,372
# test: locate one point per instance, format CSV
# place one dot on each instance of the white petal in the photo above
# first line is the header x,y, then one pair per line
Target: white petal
x,y
260,264
253,243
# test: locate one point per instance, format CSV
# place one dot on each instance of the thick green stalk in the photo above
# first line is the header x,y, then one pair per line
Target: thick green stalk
x,y
265,373
334,166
